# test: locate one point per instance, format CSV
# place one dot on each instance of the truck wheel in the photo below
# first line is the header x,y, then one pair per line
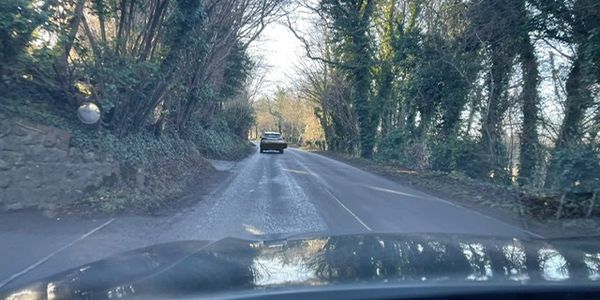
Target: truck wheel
x,y
261,150
281,151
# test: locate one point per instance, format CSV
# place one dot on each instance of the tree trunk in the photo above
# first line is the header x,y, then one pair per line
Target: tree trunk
x,y
156,18
383,106
121,26
491,129
578,101
361,84
363,111
67,45
529,136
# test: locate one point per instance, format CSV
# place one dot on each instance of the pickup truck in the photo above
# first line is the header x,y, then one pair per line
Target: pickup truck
x,y
272,141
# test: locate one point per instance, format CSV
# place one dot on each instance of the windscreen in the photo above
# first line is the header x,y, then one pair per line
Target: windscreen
x,y
272,136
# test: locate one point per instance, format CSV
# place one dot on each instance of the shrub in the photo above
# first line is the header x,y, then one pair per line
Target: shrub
x,y
396,147
390,146
579,169
238,117
217,143
455,155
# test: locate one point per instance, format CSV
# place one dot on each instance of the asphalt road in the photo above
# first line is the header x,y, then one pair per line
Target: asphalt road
x,y
265,194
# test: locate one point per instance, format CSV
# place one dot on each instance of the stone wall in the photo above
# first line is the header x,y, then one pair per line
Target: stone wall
x,y
39,169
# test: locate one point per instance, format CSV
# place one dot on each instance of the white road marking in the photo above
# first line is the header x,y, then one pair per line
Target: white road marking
x,y
348,210
390,191
47,257
295,171
333,196
530,233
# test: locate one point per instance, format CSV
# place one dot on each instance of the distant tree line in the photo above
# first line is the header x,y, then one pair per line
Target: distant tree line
x,y
505,91
289,114
162,65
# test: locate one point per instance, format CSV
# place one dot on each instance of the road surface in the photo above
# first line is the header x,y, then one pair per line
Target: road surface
x,y
294,193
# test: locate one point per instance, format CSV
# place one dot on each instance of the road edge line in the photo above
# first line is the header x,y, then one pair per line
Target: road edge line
x,y
435,198
326,188
348,210
52,254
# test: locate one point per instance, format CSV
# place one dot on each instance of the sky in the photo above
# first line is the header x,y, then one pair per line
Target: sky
x,y
279,51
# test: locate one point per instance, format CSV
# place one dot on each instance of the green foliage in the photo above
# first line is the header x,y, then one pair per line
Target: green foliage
x,y
444,78
218,143
445,155
390,146
437,84
457,154
578,169
116,78
237,69
349,34
237,117
141,66
404,150
18,19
